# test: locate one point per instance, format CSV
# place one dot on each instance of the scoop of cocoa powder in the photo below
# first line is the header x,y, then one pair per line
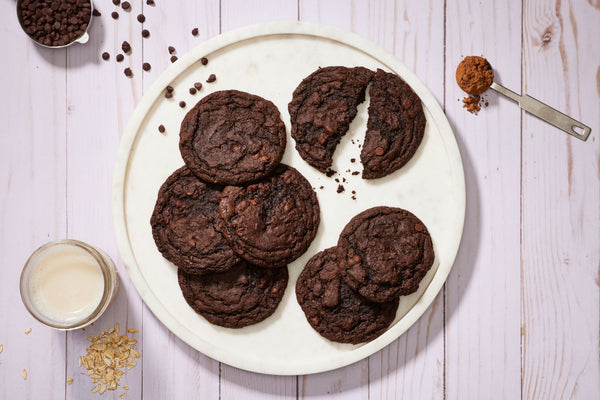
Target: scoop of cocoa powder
x,y
474,75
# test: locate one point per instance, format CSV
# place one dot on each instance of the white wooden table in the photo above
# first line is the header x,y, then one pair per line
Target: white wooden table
x,y
519,314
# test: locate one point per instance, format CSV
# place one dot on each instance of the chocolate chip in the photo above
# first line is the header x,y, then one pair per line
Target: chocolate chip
x,y
321,187
125,5
168,95
355,173
173,59
116,2
146,66
195,31
120,57
353,160
354,192
330,172
161,128
170,89
340,189
150,2
141,18
204,60
211,78
193,90
337,180
171,49
182,104
105,56
126,47
128,73
198,85
145,33
96,13
114,15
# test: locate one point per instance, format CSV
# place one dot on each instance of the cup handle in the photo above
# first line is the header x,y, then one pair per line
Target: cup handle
x,y
84,38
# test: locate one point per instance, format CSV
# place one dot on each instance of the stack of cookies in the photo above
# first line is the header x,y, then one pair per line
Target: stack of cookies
x,y
233,217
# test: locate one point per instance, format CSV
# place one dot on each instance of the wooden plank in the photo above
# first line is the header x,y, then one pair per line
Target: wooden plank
x,y
561,188
482,292
32,206
100,99
184,373
236,383
399,369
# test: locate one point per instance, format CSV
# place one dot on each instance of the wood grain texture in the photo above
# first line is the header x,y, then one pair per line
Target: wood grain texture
x,y
482,291
32,205
561,218
172,369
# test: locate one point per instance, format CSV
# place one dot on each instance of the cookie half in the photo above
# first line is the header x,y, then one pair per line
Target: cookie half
x,y
186,225
242,296
387,253
272,222
395,127
232,138
322,108
333,309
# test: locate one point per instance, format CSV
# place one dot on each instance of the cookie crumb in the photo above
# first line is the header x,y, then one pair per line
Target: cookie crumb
x,y
171,49
96,13
69,380
197,85
173,59
1,348
27,331
24,374
211,78
330,172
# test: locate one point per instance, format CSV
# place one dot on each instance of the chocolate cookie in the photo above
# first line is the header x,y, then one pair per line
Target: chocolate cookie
x,y
272,222
232,138
387,253
333,309
395,126
242,296
322,108
186,225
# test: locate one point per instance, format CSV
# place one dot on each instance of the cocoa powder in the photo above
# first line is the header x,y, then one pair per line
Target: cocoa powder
x,y
474,75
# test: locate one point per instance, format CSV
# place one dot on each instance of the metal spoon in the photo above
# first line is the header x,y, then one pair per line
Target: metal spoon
x,y
545,112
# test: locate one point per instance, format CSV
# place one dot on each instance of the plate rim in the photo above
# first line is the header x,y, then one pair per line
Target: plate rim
x,y
121,167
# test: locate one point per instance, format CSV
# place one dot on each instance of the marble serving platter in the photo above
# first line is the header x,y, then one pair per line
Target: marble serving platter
x,y
270,60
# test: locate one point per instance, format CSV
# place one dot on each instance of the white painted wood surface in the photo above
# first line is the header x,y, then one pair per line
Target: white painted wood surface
x,y
520,313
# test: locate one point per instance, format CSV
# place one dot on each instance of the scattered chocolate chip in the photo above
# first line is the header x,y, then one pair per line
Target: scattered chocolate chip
x,y
344,180
141,18
150,2
170,89
340,189
161,128
128,73
337,180
195,31
330,172
198,85
125,5
171,49
146,66
96,13
168,95
204,60
353,197
145,33
354,192
105,56
193,90
353,160
182,104
114,15
116,2
211,78
55,22
173,59
120,57
355,173
321,187
126,47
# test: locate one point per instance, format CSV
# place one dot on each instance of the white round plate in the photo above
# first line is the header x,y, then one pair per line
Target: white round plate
x,y
270,60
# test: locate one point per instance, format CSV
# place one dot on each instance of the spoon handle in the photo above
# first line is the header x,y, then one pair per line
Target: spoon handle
x,y
547,113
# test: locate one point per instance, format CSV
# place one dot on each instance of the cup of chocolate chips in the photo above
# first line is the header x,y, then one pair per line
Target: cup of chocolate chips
x,y
55,23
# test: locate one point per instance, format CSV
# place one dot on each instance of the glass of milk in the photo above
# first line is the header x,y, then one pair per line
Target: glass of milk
x,y
68,284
